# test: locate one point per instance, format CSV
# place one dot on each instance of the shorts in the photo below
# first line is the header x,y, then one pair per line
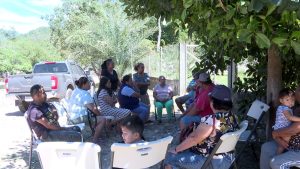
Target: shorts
x,y
188,119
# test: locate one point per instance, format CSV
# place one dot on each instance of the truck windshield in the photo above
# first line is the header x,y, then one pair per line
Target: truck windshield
x,y
51,68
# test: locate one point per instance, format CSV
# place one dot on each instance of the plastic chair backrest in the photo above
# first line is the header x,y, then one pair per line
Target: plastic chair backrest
x,y
140,155
229,140
35,140
63,155
257,108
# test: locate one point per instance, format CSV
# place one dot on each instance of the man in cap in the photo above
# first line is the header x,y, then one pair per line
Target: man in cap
x,y
201,105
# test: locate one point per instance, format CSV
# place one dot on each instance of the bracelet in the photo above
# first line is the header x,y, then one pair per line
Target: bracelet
x,y
175,150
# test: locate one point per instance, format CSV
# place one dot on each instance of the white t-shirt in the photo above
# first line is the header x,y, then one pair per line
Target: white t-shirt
x,y
77,102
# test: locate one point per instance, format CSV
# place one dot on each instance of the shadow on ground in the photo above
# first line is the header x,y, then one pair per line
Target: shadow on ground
x,y
18,157
17,113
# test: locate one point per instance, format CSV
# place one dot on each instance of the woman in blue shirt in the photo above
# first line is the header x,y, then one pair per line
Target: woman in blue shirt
x,y
80,101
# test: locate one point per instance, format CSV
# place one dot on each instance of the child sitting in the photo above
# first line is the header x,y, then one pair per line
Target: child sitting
x,y
284,115
132,130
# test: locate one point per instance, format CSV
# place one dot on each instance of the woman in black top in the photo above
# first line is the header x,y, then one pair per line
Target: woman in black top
x,y
109,72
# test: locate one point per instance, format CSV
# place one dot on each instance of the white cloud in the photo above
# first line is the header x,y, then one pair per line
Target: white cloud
x,y
51,3
21,24
26,7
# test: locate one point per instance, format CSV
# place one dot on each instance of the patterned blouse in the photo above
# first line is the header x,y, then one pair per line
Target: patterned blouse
x,y
223,123
294,143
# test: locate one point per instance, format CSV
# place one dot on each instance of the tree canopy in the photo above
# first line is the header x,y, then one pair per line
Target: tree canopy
x,y
89,31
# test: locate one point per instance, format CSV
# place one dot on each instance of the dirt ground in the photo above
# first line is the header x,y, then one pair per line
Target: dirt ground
x,y
14,142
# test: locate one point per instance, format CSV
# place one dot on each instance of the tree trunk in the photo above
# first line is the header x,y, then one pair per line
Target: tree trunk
x,y
274,82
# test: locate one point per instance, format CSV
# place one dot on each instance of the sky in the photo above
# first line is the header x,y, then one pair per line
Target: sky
x,y
25,15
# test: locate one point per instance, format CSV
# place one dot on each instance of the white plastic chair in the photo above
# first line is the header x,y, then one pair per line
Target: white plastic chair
x,y
140,155
63,155
34,140
256,112
226,144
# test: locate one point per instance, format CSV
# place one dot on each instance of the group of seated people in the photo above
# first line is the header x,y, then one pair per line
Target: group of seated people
x,y
207,106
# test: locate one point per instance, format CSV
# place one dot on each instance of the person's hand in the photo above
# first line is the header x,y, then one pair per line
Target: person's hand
x,y
172,150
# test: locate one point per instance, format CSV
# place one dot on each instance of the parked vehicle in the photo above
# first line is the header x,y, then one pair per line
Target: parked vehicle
x,y
55,77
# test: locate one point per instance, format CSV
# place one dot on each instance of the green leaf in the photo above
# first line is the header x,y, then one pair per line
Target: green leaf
x,y
183,15
271,9
256,5
262,40
187,3
296,46
280,41
296,34
244,35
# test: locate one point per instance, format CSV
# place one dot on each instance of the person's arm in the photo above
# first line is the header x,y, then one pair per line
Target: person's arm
x,y
126,91
155,96
290,117
93,108
44,121
287,131
202,132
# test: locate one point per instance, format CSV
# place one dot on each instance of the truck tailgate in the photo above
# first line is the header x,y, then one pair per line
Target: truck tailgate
x,y
23,83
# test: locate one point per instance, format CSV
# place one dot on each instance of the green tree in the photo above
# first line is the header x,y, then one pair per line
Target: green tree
x,y
90,32
238,30
20,53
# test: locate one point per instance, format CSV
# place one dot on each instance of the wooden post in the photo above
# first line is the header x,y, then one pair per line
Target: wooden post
x,y
274,82
182,68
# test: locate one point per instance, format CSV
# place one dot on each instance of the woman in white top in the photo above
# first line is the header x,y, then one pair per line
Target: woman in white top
x,y
80,101
107,101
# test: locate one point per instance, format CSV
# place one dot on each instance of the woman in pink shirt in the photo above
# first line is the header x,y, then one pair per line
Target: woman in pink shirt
x,y
163,95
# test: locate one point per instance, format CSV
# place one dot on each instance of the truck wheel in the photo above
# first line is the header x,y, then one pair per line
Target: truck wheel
x,y
23,106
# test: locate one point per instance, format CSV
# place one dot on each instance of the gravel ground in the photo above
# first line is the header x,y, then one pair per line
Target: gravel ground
x,y
14,148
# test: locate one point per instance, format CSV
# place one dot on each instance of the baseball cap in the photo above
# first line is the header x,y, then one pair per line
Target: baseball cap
x,y
221,92
204,77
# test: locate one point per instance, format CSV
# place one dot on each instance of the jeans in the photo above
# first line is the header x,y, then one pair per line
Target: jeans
x,y
190,160
142,111
168,105
269,159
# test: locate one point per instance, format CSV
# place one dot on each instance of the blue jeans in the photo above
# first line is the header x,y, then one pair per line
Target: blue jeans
x,y
269,159
190,160
142,111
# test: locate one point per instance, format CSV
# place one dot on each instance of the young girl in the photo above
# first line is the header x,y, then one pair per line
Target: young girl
x,y
284,115
132,130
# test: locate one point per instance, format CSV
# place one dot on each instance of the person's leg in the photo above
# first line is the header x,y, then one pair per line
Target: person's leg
x,y
169,107
187,120
180,101
268,151
142,111
159,106
100,124
285,160
145,99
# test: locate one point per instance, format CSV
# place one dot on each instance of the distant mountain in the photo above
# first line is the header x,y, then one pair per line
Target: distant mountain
x,y
7,34
42,33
